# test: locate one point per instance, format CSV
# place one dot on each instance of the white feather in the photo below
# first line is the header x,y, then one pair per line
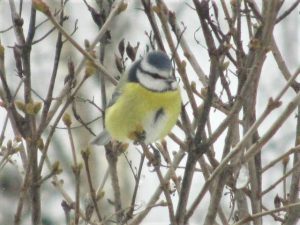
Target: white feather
x,y
153,128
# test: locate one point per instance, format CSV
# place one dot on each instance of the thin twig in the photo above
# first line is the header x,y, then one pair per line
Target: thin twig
x,y
129,214
149,12
154,198
156,164
238,147
85,155
102,31
261,214
112,159
279,180
280,158
288,11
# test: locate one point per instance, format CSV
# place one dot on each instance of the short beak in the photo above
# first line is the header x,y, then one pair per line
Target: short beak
x,y
173,83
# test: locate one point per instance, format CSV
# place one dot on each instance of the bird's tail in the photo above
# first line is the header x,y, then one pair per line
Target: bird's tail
x,y
101,139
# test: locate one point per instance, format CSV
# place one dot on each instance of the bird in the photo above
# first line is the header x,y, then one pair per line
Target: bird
x,y
145,104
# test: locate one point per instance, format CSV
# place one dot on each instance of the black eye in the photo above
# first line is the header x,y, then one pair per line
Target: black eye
x,y
156,76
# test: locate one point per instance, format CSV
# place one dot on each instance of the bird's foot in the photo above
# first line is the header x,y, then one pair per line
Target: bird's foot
x,y
138,137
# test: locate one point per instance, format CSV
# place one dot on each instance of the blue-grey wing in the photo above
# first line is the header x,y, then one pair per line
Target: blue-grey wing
x,y
129,76
116,94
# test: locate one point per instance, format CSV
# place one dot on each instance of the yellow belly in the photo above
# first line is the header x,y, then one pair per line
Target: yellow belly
x,y
130,113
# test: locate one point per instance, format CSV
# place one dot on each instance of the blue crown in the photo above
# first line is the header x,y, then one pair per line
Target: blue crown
x,y
159,60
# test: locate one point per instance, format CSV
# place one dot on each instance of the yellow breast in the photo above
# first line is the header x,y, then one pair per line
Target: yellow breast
x,y
135,111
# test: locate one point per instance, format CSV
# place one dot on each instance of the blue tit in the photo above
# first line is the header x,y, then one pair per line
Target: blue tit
x,y
145,105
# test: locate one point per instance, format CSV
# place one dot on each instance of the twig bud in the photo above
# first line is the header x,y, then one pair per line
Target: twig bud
x,y
20,105
255,43
119,64
85,153
285,160
37,107
90,68
100,195
277,201
131,51
122,7
40,144
67,119
41,6
2,50
29,108
121,47
225,65
56,169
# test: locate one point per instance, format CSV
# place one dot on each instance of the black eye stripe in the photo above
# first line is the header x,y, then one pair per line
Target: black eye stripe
x,y
154,75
